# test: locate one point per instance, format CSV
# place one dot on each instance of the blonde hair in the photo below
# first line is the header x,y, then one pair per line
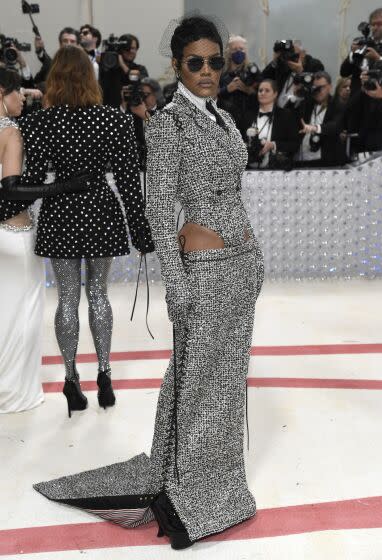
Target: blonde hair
x,y
227,54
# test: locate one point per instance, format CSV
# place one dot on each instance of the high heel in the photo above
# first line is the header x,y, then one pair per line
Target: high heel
x,y
105,395
74,396
170,523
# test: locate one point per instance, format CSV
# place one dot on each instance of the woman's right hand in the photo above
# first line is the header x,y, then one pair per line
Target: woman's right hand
x,y
179,302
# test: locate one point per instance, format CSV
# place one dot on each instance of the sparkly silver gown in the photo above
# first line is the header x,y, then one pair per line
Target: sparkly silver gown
x,y
197,451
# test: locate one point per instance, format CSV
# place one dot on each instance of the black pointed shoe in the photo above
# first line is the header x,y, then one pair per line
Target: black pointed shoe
x,y
170,523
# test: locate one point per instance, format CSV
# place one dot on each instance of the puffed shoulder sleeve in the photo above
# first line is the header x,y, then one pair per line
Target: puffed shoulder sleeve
x,y
125,166
163,139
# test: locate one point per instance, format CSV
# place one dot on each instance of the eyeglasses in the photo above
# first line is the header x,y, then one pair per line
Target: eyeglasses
x,y
85,32
196,63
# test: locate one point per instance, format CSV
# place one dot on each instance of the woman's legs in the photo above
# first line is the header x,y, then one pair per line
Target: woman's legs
x,y
68,278
100,312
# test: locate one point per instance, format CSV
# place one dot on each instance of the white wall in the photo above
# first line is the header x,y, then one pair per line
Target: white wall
x,y
146,19
316,22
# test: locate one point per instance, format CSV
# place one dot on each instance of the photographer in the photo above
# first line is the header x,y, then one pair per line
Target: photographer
x,y
238,84
364,114
90,40
321,122
272,132
113,79
11,57
289,59
365,51
67,36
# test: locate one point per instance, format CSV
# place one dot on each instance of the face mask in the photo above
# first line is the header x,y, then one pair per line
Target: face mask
x,y
238,57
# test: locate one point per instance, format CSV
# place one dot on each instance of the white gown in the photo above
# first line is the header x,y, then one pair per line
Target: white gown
x,y
22,293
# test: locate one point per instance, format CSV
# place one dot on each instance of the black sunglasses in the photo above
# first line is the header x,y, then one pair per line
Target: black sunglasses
x,y
196,63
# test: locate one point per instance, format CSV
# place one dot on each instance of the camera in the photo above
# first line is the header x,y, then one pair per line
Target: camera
x,y
314,142
112,48
287,51
30,8
305,80
249,75
364,43
8,49
374,77
133,93
254,146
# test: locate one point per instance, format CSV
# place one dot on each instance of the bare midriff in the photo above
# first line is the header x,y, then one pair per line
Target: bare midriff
x,y
21,220
194,237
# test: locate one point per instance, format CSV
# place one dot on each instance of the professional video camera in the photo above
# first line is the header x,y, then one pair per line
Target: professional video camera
x,y
287,51
364,43
250,74
8,49
112,47
374,77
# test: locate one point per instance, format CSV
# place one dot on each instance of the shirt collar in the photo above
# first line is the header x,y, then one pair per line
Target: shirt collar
x,y
199,102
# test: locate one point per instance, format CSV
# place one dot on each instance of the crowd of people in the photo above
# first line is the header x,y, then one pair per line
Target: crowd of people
x,y
290,113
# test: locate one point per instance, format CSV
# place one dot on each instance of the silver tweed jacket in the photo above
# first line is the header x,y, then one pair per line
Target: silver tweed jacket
x,y
193,160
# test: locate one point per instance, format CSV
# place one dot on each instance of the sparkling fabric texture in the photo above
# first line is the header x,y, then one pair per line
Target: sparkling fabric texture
x,y
68,277
89,224
199,425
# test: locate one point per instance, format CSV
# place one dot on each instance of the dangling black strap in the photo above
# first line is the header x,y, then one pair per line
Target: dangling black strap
x,y
175,413
143,256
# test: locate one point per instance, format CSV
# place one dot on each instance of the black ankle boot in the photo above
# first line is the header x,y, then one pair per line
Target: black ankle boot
x,y
75,397
106,395
170,523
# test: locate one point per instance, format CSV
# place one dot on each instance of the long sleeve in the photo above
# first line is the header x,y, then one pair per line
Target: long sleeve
x,y
125,166
36,146
163,163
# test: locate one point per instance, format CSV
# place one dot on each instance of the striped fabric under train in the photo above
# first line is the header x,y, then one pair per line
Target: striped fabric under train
x,y
125,517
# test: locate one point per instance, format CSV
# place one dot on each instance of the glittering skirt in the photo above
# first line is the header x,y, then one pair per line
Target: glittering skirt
x,y
197,452
21,310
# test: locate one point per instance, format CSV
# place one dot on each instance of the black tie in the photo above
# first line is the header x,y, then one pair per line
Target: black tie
x,y
265,114
213,111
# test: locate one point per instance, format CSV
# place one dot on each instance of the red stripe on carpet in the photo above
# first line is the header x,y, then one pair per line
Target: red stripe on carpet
x,y
309,350
292,382
365,513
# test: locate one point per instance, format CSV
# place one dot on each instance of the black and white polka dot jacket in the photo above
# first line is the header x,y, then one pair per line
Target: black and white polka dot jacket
x,y
87,224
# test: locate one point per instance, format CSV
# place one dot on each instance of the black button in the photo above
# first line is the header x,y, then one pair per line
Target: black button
x,y
219,192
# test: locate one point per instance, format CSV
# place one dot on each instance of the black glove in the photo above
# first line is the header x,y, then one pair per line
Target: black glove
x,y
13,190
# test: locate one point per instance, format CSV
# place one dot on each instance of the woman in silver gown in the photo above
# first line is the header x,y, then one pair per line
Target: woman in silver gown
x,y
194,482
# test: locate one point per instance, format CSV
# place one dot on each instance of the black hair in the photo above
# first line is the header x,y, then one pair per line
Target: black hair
x,y
129,38
273,84
69,31
376,13
193,29
9,80
94,31
323,74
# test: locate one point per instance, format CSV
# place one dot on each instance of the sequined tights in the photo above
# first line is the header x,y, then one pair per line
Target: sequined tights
x,y
68,278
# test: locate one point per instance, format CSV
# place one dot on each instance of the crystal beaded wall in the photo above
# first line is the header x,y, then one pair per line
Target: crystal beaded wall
x,y
310,223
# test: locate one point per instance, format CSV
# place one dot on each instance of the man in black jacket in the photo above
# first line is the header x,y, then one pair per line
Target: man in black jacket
x,y
67,36
364,117
321,122
283,72
350,67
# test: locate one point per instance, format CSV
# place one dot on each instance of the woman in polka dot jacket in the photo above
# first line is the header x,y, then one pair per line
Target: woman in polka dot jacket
x,y
76,133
